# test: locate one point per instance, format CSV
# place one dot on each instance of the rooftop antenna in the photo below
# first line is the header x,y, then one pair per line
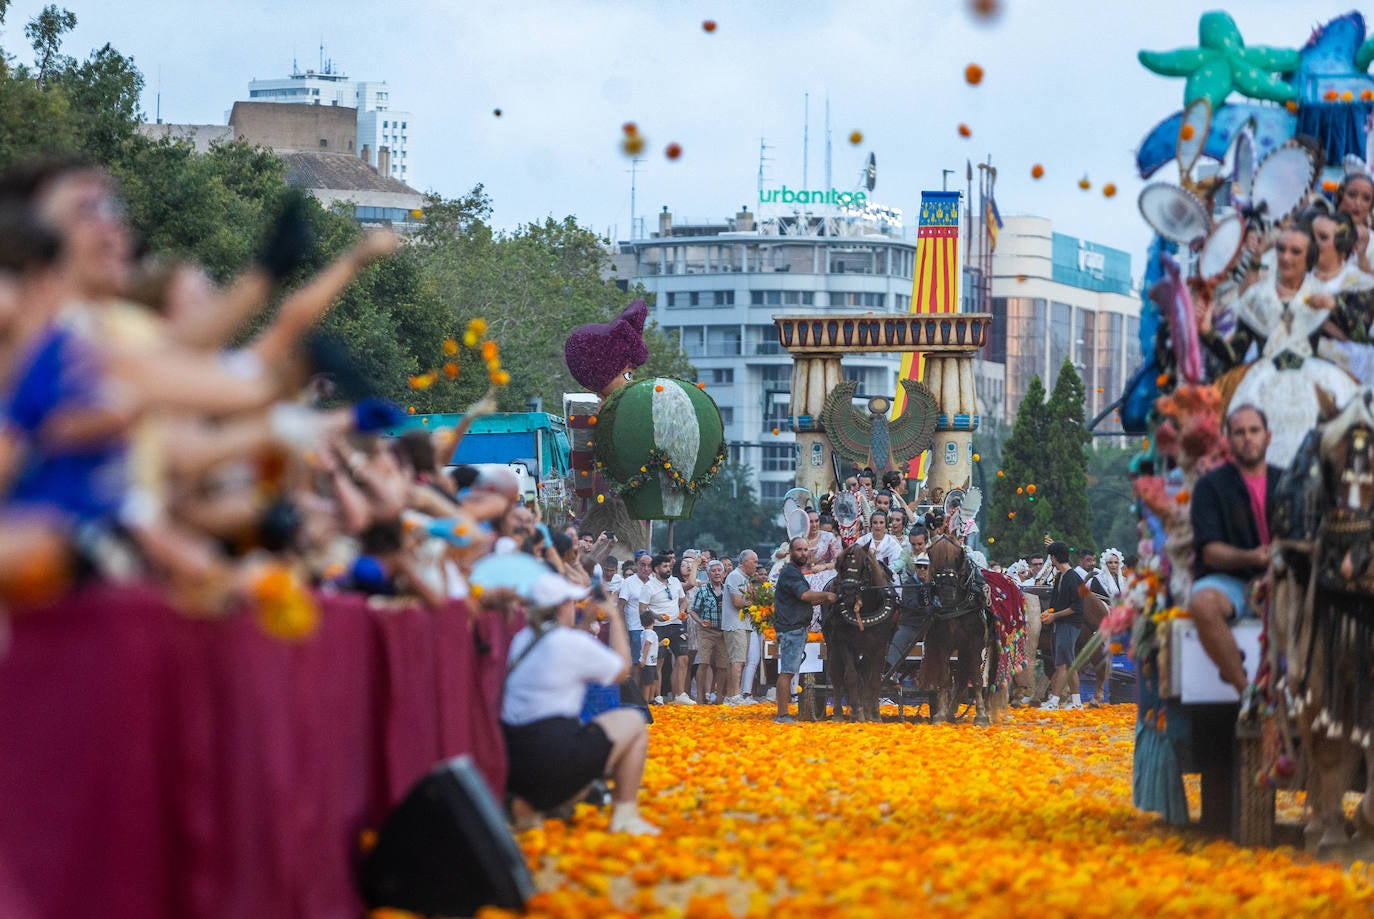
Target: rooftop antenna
x,y
827,139
634,177
763,159
806,135
159,94
295,69
321,54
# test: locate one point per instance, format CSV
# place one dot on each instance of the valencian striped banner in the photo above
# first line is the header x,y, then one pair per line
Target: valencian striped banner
x,y
935,287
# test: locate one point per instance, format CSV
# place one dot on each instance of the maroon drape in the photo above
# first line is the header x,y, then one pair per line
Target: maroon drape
x,y
155,766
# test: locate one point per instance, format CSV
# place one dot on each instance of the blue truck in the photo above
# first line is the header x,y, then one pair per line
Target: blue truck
x,y
535,445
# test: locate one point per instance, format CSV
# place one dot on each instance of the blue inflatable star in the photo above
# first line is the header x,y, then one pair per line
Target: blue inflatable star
x,y
1222,63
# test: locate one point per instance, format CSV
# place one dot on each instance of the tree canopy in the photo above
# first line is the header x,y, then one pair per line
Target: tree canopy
x,y
532,285
1020,512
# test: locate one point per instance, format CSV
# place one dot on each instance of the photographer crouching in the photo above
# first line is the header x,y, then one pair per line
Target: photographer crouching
x,y
553,757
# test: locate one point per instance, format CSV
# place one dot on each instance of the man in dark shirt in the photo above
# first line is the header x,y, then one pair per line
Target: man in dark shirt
x,y
1230,516
792,602
1066,612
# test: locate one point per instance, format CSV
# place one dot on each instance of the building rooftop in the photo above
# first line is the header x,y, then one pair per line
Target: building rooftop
x,y
339,171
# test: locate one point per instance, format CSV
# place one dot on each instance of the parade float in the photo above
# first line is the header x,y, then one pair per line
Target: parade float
x,y
1295,138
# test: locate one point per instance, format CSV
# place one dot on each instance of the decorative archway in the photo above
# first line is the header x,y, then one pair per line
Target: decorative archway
x,y
818,344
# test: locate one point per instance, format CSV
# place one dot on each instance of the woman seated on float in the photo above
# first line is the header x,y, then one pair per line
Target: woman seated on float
x,y
880,542
554,757
1281,316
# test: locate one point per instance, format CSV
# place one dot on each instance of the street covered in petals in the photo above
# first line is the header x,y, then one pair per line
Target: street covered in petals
x,y
836,819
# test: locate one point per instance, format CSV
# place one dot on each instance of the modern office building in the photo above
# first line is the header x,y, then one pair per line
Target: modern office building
x,y
1055,298
378,124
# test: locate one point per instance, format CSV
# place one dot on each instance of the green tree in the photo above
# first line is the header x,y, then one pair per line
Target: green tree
x,y
1065,478
1016,522
728,517
44,33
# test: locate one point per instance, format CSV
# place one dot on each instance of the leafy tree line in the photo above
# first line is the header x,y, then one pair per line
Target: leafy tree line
x,y
531,285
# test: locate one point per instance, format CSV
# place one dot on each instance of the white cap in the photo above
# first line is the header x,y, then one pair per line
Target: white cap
x,y
550,590
923,559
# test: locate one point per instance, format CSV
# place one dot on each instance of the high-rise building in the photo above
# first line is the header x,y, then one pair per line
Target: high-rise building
x,y
379,125
1055,298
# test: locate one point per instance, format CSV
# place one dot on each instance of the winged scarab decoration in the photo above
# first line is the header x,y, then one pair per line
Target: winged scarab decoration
x,y
870,440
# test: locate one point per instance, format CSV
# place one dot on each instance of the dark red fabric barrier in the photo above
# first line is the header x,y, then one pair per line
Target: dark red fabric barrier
x,y
154,766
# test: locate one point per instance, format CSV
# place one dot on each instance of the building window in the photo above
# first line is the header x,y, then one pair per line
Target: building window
x,y
324,142
670,299
779,458
718,375
765,298
386,124
774,491
1061,326
777,374
777,418
727,415
725,298
694,298
798,297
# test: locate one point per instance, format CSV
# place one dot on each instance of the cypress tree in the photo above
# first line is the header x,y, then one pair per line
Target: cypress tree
x,y
1016,523
1065,476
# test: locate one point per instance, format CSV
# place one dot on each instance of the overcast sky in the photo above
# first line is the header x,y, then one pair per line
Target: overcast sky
x,y
1062,88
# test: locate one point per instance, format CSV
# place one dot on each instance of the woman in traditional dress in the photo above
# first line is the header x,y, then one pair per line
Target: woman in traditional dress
x,y
879,541
1111,579
1335,271
1355,197
1282,315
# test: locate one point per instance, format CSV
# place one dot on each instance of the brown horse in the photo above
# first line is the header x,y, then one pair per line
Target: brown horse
x,y
1322,618
961,624
858,627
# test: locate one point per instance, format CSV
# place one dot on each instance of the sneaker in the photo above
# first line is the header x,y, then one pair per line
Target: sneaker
x,y
886,701
684,699
784,719
658,700
633,824
1073,707
1051,706
772,695
735,700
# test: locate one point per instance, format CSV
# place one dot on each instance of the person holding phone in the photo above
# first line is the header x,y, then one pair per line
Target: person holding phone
x,y
664,597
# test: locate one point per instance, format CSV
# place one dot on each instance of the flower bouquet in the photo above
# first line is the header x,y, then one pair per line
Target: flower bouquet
x,y
759,608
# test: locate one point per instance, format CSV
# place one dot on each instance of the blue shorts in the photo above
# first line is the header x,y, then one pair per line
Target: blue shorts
x,y
791,645
1231,587
1065,643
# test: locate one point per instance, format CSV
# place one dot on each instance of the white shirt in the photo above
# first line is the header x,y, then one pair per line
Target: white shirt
x,y
736,582
551,681
648,648
888,551
628,595
662,599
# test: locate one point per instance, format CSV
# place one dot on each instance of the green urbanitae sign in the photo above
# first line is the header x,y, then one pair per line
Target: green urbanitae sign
x,y
833,197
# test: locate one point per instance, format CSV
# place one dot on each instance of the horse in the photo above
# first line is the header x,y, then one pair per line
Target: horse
x,y
961,622
858,627
1321,616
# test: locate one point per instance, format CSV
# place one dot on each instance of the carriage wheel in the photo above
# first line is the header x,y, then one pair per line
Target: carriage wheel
x,y
1254,820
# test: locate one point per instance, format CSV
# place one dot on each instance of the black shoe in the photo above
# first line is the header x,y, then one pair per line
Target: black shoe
x,y
599,795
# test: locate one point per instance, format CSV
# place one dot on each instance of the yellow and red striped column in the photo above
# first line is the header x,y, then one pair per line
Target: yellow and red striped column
x,y
934,288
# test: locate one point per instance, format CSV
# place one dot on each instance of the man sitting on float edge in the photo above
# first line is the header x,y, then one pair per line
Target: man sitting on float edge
x,y
1230,515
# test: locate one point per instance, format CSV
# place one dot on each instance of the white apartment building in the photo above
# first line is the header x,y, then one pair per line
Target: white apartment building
x,y
379,125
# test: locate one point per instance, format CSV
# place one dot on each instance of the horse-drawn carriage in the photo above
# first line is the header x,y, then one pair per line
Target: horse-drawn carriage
x,y
951,616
